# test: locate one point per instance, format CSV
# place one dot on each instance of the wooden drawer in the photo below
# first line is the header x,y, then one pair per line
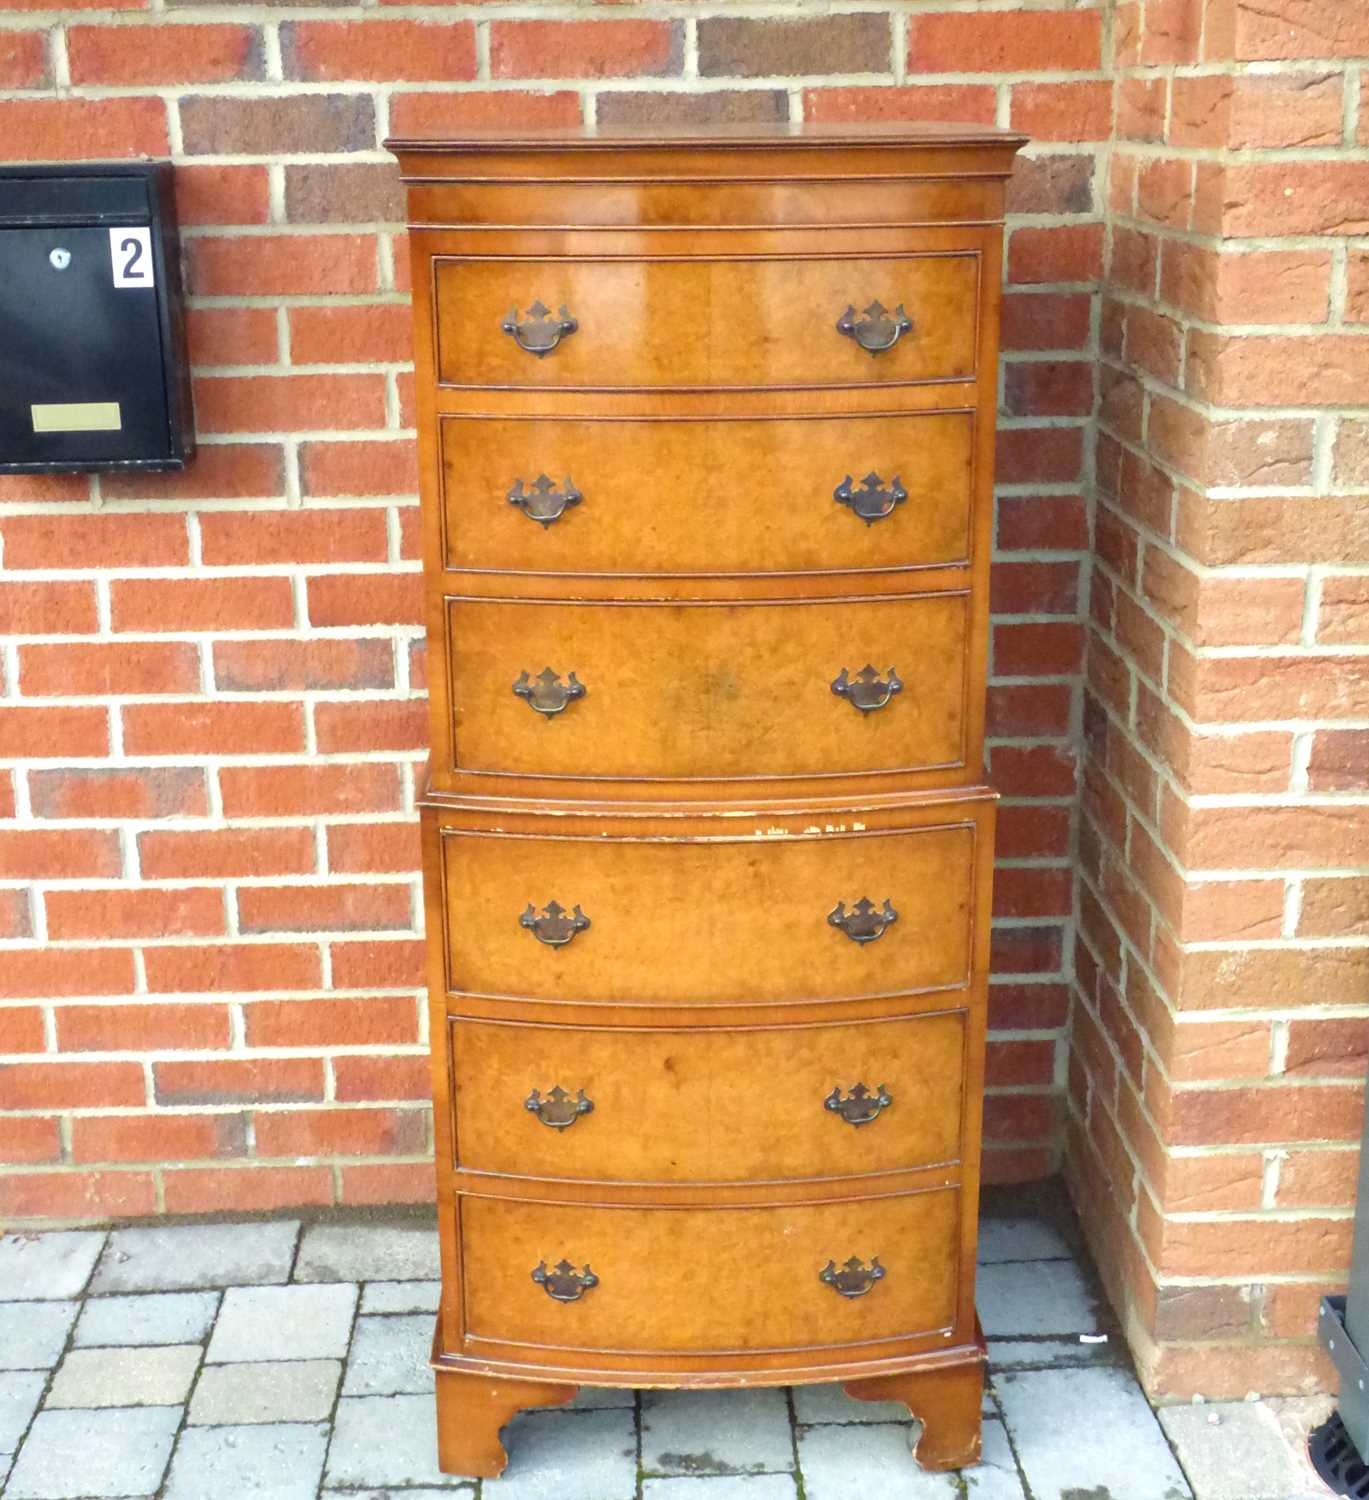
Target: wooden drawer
x,y
733,1105
706,496
709,690
741,920
710,1280
702,322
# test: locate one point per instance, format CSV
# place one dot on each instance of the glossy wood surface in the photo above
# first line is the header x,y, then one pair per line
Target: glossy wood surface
x,y
686,496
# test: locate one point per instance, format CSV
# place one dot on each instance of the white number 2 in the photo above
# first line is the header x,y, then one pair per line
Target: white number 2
x,y
130,253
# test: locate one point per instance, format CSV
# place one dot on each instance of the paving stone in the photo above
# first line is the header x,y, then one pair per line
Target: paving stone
x,y
117,1451
278,1391
1037,1297
57,1265
401,1297
565,1455
839,1462
995,1476
151,1318
716,1432
32,1336
405,1494
283,1322
723,1487
829,1403
20,1392
388,1440
1087,1432
282,1461
1020,1239
1035,1354
170,1258
1233,1450
369,1252
389,1356
125,1377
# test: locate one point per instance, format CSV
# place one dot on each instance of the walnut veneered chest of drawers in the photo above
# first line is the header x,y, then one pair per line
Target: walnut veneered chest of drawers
x,y
706,429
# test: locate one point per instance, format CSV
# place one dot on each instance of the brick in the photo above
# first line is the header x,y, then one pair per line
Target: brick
x,y
141,1028
282,265
126,56
1216,911
46,488
1033,770
189,1190
1215,611
1273,286
382,1078
47,608
57,972
72,1085
1164,191
662,110
205,728
1066,252
1141,108
109,669
373,848
1251,1247
1313,197
257,1080
1287,29
338,599
379,964
1039,648
1045,320
1056,388
135,792
1273,530
230,538
1028,1006
359,468
156,1138
309,790
586,49
1134,260
289,403
30,1141
435,114
1309,686
1056,523
1214,1184
16,919
1077,111
302,666
233,967
149,605
78,1195
1035,709
1350,457
21,1029
1317,1179
283,125
1343,618
1258,111
972,104
1252,370
1004,42
221,471
1058,183
387,1183
231,336
1172,32
1327,1048
1290,1310
341,1132
369,725
83,129
1335,908
1202,1312
106,541
23,59
1339,761
191,912
377,333
372,1020
387,51
1271,978
58,854
1250,451
222,195
226,852
746,47
1033,832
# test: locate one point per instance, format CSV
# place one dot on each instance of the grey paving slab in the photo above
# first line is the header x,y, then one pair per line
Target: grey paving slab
x,y
125,1377
177,1257
369,1252
716,1432
401,1296
829,1403
1084,1432
280,1462
33,1334
116,1451
283,1322
723,1487
278,1391
147,1318
1033,1297
565,1455
56,1265
1020,1239
1234,1450
404,1494
20,1393
1034,1354
386,1440
839,1462
995,1476
390,1355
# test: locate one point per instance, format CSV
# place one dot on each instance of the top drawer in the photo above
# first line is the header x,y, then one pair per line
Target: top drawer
x,y
700,323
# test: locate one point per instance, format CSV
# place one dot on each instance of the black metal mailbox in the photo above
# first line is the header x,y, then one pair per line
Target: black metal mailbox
x,y
93,372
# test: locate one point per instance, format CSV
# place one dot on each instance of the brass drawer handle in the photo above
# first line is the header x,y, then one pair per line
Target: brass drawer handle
x,y
563,1283
872,502
865,690
860,1106
542,501
558,1110
555,927
539,333
853,1279
878,329
864,923
547,693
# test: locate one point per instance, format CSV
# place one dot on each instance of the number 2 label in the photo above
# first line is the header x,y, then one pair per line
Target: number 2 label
x,y
130,252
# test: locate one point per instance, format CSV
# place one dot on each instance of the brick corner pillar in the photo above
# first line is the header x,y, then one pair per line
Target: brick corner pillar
x,y
1222,978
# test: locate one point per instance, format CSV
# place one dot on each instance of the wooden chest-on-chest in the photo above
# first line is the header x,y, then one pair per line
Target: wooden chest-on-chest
x,y
706,429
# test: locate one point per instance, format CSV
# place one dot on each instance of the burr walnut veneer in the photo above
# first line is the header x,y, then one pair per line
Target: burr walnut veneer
x,y
706,431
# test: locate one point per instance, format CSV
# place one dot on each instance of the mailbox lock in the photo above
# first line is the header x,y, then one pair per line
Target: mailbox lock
x,y
59,259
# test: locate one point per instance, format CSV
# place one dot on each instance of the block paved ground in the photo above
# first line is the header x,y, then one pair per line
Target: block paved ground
x,y
288,1360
